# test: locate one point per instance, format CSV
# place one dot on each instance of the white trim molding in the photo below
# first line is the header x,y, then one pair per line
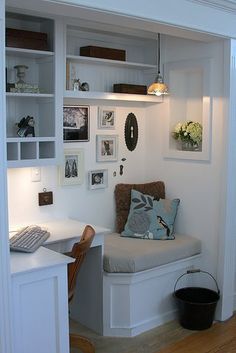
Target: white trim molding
x,y
226,255
222,5
5,297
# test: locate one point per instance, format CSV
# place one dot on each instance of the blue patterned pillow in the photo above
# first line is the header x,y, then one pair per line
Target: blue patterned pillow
x,y
165,211
141,216
150,219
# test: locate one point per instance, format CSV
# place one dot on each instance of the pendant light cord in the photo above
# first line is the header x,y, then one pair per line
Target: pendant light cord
x,y
158,52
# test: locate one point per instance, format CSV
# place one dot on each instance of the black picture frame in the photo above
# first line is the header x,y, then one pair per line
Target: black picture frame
x,y
76,123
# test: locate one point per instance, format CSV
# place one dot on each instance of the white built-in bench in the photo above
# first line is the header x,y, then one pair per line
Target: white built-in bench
x,y
139,274
139,278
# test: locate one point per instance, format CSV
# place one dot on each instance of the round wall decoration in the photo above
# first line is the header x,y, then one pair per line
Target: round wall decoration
x,y
131,131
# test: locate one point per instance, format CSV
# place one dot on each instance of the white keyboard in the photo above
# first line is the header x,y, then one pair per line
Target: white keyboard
x,y
28,239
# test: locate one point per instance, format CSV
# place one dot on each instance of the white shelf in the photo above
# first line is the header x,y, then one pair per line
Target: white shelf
x,y
30,162
30,139
116,63
29,95
28,151
112,96
35,54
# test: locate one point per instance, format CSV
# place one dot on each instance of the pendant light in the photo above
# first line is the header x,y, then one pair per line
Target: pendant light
x,y
158,87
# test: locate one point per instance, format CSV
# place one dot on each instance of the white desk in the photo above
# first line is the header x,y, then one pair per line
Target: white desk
x,y
64,233
39,302
87,303
39,287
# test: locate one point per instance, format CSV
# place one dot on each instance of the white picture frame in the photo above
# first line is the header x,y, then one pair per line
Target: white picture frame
x,y
106,118
98,179
71,172
107,148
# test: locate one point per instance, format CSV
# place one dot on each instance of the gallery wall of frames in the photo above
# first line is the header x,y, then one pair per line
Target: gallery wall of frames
x,y
76,132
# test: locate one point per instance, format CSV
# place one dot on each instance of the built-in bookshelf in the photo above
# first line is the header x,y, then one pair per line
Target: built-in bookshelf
x,y
43,96
34,98
139,67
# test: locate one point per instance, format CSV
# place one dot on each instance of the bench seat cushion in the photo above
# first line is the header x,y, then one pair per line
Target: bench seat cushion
x,y
128,255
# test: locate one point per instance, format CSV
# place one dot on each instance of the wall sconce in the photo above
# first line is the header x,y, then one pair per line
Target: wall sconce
x,y
158,87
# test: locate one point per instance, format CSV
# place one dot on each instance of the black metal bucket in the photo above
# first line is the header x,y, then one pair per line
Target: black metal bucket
x,y
196,305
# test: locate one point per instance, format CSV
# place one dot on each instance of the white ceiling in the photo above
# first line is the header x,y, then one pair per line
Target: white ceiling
x,y
103,20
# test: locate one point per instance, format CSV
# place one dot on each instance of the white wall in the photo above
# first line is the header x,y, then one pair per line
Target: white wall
x,y
196,183
94,206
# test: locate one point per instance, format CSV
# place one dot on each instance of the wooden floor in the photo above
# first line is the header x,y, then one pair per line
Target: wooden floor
x,y
220,338
168,338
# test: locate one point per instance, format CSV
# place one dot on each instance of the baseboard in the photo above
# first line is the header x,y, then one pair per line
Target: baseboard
x,y
141,327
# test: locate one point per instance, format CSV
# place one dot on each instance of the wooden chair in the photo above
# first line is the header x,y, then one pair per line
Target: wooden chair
x,y
79,252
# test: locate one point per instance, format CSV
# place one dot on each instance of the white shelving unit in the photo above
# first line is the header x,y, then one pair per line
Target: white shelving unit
x,y
45,70
41,149
36,54
107,62
29,95
112,96
102,74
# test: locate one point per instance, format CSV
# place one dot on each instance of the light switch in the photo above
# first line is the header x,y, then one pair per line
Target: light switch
x,y
36,174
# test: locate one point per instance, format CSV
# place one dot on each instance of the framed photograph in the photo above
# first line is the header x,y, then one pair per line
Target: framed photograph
x,y
72,169
75,123
106,117
107,148
98,179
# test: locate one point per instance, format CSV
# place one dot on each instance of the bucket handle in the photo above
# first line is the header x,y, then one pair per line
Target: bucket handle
x,y
197,270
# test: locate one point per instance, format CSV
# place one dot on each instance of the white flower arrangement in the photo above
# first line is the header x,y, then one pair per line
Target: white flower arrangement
x,y
189,132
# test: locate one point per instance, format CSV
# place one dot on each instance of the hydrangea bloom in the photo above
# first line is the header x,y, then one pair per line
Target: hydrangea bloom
x,y
188,131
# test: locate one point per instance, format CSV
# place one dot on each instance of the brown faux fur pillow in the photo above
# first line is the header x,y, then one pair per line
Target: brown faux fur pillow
x,y
123,198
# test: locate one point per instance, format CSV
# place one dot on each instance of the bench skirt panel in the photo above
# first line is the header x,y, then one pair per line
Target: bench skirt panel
x,y
136,302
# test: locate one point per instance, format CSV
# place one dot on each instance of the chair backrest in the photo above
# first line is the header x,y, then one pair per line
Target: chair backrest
x,y
78,252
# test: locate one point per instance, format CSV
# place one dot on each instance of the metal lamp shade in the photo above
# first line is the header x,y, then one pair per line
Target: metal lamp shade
x,y
158,87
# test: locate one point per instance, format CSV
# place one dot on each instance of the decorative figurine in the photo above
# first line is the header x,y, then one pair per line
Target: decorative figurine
x,y
78,86
84,86
21,86
20,73
26,127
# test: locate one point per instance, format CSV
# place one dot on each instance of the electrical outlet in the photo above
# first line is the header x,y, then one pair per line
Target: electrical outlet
x,y
45,198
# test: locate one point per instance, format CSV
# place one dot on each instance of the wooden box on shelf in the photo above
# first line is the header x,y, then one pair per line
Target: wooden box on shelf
x,y
103,53
26,39
127,88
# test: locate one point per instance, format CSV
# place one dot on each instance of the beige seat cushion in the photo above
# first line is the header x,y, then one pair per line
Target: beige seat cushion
x,y
129,255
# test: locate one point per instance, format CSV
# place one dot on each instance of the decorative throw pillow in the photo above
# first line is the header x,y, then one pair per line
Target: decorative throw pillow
x,y
141,216
150,219
165,211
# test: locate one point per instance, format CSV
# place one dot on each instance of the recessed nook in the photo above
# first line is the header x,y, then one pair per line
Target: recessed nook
x,y
198,67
